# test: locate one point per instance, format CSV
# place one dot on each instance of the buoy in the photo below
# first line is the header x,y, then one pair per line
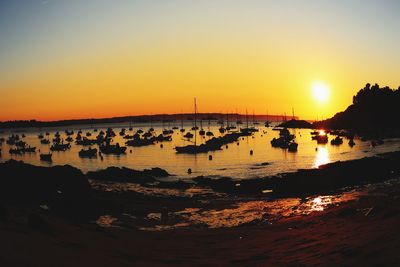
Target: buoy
x,y
130,151
237,143
189,171
161,145
251,152
210,157
226,146
316,149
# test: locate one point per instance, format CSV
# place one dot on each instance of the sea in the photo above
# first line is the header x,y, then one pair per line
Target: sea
x,y
251,157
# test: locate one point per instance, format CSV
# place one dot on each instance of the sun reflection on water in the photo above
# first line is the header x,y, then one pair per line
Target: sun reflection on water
x,y
322,157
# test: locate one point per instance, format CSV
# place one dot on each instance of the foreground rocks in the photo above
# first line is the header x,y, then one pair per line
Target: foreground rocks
x,y
325,179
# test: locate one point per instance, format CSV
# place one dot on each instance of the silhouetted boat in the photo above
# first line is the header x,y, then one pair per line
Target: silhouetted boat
x,y
112,149
69,139
167,132
337,141
285,140
88,153
60,147
87,142
351,142
15,151
188,135
12,139
321,137
162,138
46,157
213,144
20,143
248,130
147,134
141,142
182,129
292,146
45,141
40,136
110,132
28,149
128,137
280,142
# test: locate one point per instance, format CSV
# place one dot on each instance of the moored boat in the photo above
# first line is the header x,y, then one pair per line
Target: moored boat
x,y
88,153
46,157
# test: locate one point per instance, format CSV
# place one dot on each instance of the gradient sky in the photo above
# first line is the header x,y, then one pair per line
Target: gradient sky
x,y
78,59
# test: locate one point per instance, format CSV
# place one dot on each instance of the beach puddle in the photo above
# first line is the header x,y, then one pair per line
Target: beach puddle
x,y
154,191
254,212
106,221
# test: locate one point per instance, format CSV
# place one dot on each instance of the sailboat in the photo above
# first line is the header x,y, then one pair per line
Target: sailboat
x,y
221,128
238,121
227,122
248,131
195,127
209,133
201,132
267,122
182,129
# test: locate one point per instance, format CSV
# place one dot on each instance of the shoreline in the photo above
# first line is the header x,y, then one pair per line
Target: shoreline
x,y
55,220
357,233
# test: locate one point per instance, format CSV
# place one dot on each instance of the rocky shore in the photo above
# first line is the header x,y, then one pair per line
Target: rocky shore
x,y
48,215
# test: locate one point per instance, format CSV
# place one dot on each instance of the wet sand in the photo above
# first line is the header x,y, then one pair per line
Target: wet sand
x,y
49,228
358,233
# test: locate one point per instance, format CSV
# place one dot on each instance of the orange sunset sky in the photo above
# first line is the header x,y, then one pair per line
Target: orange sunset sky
x,y
80,59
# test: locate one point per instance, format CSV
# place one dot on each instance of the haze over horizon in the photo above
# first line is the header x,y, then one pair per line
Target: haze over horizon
x,y
97,59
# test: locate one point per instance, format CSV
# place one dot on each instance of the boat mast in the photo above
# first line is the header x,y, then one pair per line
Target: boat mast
x,y
247,120
181,120
195,121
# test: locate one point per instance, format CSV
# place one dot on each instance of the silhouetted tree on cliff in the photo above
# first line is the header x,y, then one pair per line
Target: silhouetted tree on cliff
x,y
373,109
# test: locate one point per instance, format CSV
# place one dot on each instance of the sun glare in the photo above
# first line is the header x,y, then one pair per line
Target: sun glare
x,y
320,92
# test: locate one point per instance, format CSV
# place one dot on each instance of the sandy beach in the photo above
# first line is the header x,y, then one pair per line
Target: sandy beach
x,y
358,232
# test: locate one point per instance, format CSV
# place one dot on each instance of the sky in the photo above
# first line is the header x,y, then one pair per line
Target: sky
x,y
95,58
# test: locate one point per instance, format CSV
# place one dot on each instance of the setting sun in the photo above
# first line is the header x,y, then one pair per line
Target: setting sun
x,y
320,92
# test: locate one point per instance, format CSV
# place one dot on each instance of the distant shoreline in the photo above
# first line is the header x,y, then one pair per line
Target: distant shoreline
x,y
139,119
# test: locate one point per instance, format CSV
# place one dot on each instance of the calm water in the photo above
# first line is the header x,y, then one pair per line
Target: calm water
x,y
234,161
